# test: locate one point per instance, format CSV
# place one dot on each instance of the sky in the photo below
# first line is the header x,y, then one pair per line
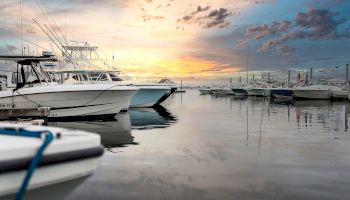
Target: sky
x,y
190,40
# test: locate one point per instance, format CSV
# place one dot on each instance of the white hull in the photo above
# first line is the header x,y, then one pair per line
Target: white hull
x,y
339,95
258,92
50,175
70,100
70,155
312,94
148,96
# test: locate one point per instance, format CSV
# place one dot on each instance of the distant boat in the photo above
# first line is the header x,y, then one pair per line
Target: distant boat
x,y
258,89
315,91
205,90
239,90
181,90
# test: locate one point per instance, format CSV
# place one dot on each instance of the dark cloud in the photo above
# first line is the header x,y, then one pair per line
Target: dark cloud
x,y
190,16
316,24
215,18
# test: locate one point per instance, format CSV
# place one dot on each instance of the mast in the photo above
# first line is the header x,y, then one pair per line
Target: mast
x,y
247,61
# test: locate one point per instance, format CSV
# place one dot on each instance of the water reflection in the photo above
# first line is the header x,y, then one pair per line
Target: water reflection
x,y
116,132
232,148
148,118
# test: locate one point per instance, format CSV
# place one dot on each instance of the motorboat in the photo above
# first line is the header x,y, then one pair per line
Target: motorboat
x,y
148,95
33,89
315,91
239,90
258,89
205,90
281,93
33,158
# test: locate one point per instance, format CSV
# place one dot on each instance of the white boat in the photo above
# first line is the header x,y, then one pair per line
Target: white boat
x,y
260,92
204,90
35,90
239,90
70,155
148,95
315,91
260,89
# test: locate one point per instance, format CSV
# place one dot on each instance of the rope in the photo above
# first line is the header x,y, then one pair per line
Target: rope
x,y
24,96
48,137
99,95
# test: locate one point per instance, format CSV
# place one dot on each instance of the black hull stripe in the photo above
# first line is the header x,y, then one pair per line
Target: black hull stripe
x,y
46,160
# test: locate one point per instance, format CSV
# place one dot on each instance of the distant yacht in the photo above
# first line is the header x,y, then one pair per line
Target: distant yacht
x,y
239,90
316,91
258,89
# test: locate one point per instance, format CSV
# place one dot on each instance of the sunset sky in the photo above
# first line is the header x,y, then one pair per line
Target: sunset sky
x,y
190,39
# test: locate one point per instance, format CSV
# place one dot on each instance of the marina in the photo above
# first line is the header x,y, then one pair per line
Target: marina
x,y
143,99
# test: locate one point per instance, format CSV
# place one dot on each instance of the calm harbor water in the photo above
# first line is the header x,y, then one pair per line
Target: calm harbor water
x,y
212,147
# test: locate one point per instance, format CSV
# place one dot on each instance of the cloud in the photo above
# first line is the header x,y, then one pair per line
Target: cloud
x,y
190,16
316,24
151,17
215,18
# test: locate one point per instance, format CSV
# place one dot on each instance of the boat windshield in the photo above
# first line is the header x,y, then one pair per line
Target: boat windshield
x,y
114,77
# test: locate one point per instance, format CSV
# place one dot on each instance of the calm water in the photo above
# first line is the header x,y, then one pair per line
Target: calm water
x,y
207,147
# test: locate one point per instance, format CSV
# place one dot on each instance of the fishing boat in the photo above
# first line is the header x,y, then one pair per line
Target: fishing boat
x,y
34,89
315,91
35,157
148,95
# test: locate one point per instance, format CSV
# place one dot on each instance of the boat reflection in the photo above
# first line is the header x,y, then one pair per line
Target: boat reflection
x,y
116,132
148,118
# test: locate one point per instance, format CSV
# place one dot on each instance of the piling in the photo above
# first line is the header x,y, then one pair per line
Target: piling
x,y
289,78
310,73
347,74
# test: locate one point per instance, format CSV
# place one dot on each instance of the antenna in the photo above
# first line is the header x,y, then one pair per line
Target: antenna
x,y
20,9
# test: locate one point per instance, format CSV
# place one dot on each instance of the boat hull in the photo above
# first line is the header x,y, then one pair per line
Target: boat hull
x,y
282,93
260,92
71,154
312,94
148,96
104,100
339,95
240,92
204,91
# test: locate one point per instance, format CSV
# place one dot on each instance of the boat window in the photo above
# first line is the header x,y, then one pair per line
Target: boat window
x,y
103,77
115,77
94,76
